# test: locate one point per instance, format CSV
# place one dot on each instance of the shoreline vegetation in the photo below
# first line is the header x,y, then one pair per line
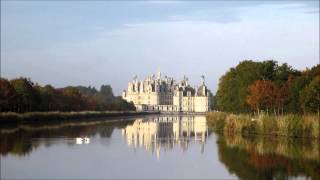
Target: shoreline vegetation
x,y
290,125
23,95
267,98
269,87
55,116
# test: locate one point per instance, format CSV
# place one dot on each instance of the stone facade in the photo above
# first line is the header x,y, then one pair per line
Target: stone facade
x,y
166,95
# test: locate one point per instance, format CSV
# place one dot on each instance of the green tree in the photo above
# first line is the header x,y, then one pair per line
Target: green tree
x,y
73,99
232,90
294,89
282,73
106,91
89,91
50,98
310,96
27,98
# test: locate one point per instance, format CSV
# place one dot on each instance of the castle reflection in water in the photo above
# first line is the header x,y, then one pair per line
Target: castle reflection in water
x,y
167,132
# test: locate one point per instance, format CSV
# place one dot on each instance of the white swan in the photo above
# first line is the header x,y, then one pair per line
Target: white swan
x,y
84,140
78,140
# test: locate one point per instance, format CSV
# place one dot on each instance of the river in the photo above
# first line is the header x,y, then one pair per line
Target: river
x,y
147,147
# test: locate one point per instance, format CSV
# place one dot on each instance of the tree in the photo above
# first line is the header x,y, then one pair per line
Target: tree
x,y
262,95
50,98
7,95
119,104
232,89
27,98
89,91
233,86
106,91
212,101
21,95
267,70
282,74
73,99
310,96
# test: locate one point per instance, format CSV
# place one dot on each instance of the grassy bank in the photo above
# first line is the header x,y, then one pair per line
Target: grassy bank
x,y
287,125
34,117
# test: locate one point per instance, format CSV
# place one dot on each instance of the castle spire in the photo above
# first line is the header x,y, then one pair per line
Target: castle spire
x,y
158,74
203,79
135,77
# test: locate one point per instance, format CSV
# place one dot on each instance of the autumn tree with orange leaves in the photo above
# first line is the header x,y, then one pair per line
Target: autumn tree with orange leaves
x,y
7,95
263,95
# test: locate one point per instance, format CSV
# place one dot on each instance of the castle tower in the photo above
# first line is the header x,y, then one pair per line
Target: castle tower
x,y
158,75
203,80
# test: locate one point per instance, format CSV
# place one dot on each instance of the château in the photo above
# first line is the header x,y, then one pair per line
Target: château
x,y
155,93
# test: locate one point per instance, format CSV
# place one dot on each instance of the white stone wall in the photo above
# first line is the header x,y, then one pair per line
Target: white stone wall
x,y
201,104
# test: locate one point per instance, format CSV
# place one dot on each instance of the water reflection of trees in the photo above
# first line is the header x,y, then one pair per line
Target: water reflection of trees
x,y
269,157
23,139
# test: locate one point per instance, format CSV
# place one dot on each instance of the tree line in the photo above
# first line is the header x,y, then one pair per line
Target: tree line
x,y
269,87
23,95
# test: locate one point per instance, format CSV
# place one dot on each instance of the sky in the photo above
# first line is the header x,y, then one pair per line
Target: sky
x,y
108,42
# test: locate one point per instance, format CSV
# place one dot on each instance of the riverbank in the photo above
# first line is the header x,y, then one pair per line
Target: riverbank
x,y
35,117
290,125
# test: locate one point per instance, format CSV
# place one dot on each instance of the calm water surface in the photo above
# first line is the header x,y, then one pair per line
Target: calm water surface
x,y
150,147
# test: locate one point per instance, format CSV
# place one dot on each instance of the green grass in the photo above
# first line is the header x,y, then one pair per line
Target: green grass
x,y
34,117
291,125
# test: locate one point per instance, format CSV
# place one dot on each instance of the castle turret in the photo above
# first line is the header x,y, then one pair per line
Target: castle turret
x,y
159,75
203,80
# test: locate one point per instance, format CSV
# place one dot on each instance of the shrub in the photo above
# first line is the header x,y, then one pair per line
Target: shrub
x,y
286,125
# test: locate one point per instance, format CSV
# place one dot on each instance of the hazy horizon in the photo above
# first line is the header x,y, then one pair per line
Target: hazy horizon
x,y
94,43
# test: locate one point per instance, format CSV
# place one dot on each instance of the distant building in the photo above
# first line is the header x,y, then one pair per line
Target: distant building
x,y
164,94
